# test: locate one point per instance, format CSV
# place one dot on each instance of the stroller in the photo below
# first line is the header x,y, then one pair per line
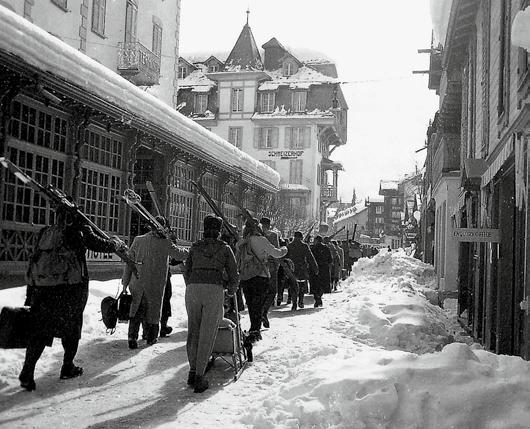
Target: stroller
x,y
232,344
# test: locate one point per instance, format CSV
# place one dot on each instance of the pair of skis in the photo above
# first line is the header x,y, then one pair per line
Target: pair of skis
x,y
59,198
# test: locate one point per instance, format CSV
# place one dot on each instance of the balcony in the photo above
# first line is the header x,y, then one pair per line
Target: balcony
x,y
138,64
328,193
446,157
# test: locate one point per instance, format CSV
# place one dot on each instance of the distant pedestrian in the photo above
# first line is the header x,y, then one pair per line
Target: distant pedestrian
x,y
209,260
152,251
320,282
304,264
58,290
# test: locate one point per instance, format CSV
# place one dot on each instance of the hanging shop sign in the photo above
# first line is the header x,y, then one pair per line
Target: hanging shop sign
x,y
286,154
476,235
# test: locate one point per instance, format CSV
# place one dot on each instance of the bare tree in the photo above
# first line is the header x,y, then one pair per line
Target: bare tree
x,y
286,218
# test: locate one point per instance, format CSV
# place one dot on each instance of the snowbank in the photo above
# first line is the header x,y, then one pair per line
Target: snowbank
x,y
377,355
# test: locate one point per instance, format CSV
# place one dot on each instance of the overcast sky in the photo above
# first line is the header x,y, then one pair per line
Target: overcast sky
x,y
373,43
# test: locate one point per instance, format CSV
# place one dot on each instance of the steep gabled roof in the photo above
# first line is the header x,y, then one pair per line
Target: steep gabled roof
x,y
245,53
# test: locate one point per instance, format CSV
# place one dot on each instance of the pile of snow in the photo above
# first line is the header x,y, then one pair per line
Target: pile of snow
x,y
375,356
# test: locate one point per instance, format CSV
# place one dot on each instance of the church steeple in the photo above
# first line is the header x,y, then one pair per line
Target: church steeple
x,y
245,53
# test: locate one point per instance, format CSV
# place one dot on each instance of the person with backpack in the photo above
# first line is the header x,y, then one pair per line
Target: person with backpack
x,y
207,261
253,251
304,264
58,290
273,264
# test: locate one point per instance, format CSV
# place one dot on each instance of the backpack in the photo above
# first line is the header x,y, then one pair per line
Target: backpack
x,y
53,262
109,312
248,264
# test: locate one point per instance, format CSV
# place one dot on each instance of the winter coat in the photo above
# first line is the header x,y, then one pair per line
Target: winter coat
x,y
336,266
262,249
57,311
304,261
320,283
208,260
151,252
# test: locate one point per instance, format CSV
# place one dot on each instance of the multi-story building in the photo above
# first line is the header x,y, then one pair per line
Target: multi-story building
x,y
288,114
69,119
138,40
477,172
393,211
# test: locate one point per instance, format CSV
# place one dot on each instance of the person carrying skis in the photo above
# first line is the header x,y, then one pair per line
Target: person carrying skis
x,y
58,289
147,290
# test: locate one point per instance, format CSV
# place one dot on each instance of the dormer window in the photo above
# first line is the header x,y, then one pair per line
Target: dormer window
x,y
289,68
299,101
267,102
201,103
182,72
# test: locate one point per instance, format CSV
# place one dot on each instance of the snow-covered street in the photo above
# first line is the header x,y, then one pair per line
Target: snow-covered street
x,y
377,355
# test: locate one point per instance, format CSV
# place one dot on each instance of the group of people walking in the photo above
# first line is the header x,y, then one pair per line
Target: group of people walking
x,y
261,265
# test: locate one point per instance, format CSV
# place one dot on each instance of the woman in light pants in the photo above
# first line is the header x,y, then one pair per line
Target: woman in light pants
x,y
208,259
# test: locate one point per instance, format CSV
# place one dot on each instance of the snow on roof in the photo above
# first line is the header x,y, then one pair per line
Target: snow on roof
x,y
268,86
350,211
280,111
304,75
389,184
376,199
198,81
37,47
521,29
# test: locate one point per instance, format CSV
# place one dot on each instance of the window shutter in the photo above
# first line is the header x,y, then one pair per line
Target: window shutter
x,y
300,171
288,137
275,137
292,169
257,137
307,137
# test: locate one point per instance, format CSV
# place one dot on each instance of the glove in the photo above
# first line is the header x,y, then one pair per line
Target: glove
x,y
119,244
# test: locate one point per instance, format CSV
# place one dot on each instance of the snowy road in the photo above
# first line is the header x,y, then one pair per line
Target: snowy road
x,y
367,359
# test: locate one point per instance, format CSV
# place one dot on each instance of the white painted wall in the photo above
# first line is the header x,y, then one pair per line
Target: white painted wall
x,y
104,50
445,247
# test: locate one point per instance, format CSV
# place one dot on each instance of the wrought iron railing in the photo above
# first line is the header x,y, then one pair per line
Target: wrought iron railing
x,y
138,64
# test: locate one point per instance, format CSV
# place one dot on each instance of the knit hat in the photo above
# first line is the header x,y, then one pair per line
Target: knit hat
x,y
265,221
212,222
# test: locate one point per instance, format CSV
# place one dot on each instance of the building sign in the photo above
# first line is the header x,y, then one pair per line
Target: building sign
x,y
92,256
476,235
411,235
286,154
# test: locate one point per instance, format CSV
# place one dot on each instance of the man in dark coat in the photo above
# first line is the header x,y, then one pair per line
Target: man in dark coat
x,y
321,283
304,263
58,290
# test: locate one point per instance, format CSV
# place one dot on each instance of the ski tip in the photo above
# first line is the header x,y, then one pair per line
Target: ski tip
x,y
3,161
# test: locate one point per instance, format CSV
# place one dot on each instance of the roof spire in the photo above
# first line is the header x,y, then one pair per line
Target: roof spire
x,y
248,13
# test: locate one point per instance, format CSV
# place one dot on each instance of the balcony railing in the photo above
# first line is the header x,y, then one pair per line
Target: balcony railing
x,y
328,193
138,64
446,157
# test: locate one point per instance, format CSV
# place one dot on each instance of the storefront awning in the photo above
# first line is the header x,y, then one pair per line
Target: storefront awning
x,y
497,163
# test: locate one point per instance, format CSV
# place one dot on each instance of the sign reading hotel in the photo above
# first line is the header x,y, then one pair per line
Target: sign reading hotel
x,y
476,235
286,154
92,256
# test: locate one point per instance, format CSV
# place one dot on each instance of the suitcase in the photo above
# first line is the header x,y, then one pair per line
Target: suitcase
x,y
15,326
124,307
